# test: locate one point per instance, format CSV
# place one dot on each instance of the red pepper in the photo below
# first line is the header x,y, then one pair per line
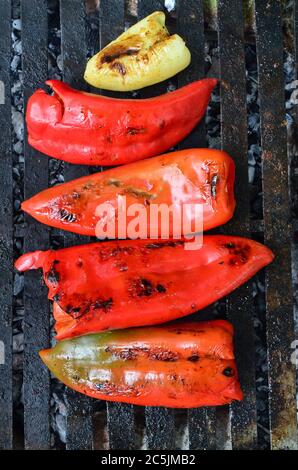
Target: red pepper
x,y
181,365
196,176
90,129
126,283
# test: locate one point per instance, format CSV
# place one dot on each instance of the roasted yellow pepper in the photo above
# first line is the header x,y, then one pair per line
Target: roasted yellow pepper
x,y
143,55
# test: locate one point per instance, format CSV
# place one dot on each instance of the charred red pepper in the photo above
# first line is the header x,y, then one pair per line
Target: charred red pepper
x,y
89,129
195,176
182,365
118,284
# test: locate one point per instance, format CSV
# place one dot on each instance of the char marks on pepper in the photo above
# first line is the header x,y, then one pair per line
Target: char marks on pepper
x,y
154,354
53,276
107,388
118,67
143,287
239,252
117,51
86,306
67,216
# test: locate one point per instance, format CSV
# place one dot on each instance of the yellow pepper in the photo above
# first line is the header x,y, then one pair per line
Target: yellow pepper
x,y
143,55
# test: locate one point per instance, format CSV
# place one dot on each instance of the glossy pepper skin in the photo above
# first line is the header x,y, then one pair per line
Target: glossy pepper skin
x,y
90,129
181,365
143,55
118,284
195,176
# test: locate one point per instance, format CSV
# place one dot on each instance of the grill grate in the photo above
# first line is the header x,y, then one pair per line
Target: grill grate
x,y
208,428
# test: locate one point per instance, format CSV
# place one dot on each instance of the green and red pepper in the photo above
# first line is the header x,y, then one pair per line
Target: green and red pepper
x,y
182,365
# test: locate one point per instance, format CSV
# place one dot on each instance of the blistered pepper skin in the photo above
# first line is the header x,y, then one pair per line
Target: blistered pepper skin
x,y
193,176
126,283
90,129
181,365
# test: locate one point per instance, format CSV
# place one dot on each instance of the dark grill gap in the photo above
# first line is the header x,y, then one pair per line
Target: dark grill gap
x,y
224,427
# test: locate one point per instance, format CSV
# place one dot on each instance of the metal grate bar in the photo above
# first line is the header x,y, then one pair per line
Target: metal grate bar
x,y
145,8
121,426
36,237
160,428
6,217
160,425
279,300
120,416
79,434
294,156
190,24
234,141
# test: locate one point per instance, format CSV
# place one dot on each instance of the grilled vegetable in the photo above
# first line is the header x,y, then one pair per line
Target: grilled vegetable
x,y
90,129
118,284
197,176
143,55
184,365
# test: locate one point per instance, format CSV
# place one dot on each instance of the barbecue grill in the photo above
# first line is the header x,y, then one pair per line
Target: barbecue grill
x,y
228,427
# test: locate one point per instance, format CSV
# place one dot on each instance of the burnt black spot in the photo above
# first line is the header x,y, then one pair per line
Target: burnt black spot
x,y
193,358
52,275
79,263
56,297
230,245
68,309
67,216
119,67
146,287
160,288
156,246
119,52
228,372
127,354
163,355
221,262
76,309
132,353
108,253
239,253
103,304
135,130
